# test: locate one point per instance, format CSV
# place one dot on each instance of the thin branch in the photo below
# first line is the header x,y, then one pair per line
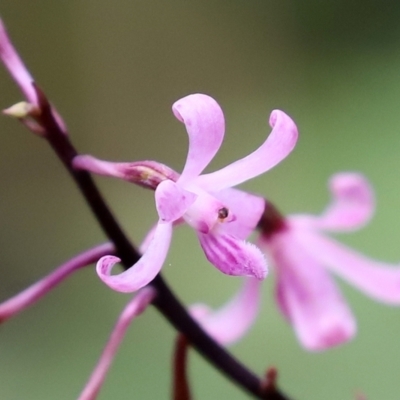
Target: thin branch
x,y
180,383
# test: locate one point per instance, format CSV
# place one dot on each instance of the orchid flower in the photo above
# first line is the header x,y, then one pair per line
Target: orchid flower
x,y
199,200
303,256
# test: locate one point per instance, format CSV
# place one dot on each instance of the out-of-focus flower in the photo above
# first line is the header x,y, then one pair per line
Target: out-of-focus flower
x,y
199,200
302,257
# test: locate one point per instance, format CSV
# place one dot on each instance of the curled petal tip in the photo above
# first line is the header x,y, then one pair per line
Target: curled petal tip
x,y
352,204
144,270
352,186
106,263
280,119
273,117
192,102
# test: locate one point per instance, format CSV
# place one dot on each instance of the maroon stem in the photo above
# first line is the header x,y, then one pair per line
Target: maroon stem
x,y
166,302
180,383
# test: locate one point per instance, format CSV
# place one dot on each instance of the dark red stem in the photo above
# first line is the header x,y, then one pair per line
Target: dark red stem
x,y
180,384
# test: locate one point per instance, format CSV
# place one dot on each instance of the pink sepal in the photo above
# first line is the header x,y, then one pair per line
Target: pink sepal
x,y
145,270
145,173
376,279
29,296
232,321
308,296
205,126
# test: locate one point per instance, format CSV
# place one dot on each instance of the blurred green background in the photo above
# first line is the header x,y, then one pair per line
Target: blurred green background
x,y
113,69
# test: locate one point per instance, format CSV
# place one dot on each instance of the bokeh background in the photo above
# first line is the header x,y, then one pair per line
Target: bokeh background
x,y
113,69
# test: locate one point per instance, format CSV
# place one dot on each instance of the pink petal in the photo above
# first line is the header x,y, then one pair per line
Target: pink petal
x,y
232,321
278,145
352,204
205,126
145,270
247,209
150,234
15,66
133,309
308,296
233,256
147,239
145,173
376,279
172,201
29,296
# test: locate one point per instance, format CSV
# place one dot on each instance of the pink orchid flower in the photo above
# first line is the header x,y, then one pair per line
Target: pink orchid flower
x,y
200,200
303,257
